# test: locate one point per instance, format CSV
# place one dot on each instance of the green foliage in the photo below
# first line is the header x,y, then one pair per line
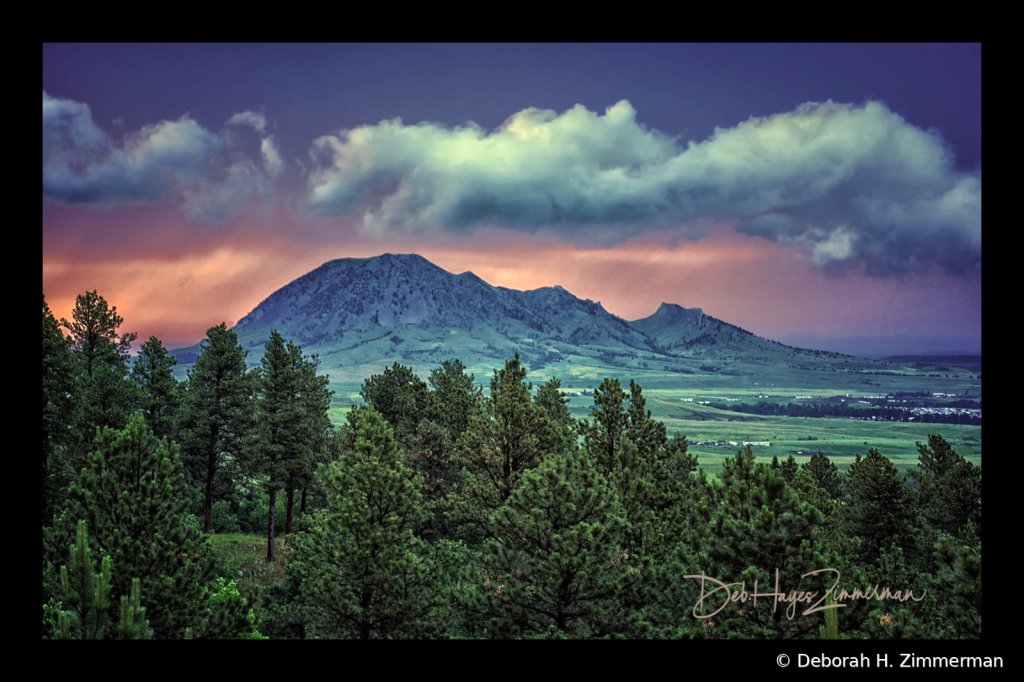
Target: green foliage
x,y
400,397
133,623
60,437
757,525
949,488
225,598
881,509
556,408
216,417
364,573
85,593
601,438
292,424
825,473
510,436
107,397
132,495
555,563
454,398
159,397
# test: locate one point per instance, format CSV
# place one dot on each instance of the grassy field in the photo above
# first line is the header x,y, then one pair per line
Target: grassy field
x,y
673,396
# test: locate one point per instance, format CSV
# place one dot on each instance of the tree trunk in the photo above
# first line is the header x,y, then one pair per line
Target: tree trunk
x,y
211,469
290,506
208,504
270,532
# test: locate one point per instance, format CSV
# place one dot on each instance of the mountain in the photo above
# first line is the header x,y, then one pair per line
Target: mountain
x,y
360,314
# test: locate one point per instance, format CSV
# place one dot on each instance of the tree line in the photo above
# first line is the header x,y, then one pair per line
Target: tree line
x,y
842,410
436,512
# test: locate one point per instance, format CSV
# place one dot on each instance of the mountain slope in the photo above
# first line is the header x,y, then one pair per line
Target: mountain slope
x,y
360,314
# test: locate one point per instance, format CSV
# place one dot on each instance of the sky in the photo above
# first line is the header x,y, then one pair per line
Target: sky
x,y
826,196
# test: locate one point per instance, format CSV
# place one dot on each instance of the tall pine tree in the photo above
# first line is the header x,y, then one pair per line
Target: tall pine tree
x,y
159,398
509,436
292,424
216,416
108,397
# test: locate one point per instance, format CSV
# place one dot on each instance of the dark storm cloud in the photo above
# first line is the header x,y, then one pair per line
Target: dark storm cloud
x,y
83,164
846,184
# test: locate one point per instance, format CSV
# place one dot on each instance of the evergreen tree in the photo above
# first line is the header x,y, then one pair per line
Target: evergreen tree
x,y
509,436
159,398
555,563
131,493
881,509
757,525
400,397
432,455
60,375
949,488
556,407
826,474
293,423
107,395
364,573
85,593
601,439
315,444
789,469
957,586
647,434
453,398
216,416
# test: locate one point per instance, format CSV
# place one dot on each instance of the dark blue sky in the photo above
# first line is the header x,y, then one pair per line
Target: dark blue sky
x,y
311,90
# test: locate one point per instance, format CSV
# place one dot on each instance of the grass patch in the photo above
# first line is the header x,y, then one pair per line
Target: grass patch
x,y
246,556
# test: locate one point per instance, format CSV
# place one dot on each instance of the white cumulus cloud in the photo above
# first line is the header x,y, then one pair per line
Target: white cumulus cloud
x,y
852,183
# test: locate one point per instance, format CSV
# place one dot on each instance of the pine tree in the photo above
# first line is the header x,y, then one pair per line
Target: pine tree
x,y
555,564
364,573
293,423
400,397
826,474
131,493
158,388
957,586
881,509
107,396
315,443
556,408
757,525
510,436
949,488
216,416
84,592
453,398
789,469
601,439
60,385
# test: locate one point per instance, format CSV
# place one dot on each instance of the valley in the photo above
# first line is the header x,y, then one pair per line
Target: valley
x,y
362,315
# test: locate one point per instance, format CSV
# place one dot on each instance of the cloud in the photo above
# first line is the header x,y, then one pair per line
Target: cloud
x,y
847,185
83,164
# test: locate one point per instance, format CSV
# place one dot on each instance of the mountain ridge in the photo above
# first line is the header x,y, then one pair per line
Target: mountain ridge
x,y
372,311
